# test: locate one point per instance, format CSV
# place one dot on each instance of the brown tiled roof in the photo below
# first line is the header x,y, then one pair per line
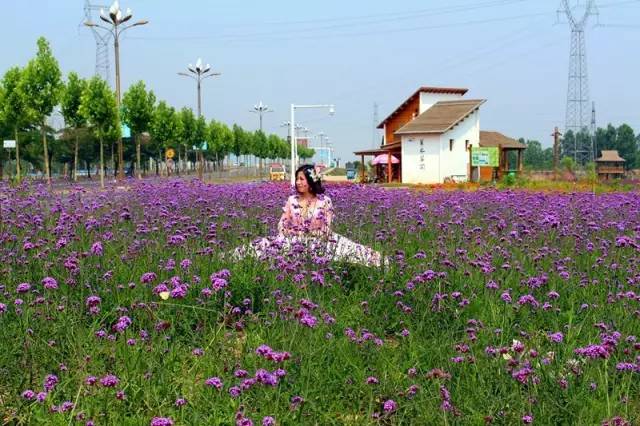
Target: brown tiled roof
x,y
426,89
382,150
441,117
489,139
610,156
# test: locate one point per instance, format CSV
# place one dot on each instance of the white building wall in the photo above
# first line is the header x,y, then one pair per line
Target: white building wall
x,y
455,162
436,161
427,100
417,166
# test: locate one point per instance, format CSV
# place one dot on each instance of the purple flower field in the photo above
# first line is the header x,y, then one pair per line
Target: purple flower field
x,y
124,306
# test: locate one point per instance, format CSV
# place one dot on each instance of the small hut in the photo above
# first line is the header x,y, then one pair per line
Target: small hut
x,y
507,162
610,164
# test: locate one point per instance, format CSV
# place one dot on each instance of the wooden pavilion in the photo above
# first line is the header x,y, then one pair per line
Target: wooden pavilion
x,y
394,171
506,146
610,164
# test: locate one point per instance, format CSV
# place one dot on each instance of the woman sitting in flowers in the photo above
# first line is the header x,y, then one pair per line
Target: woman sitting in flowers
x,y
306,222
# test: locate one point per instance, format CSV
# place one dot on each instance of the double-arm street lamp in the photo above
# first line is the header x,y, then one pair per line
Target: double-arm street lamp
x,y
116,18
199,73
294,145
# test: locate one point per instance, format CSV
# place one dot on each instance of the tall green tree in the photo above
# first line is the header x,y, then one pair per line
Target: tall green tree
x,y
260,147
98,106
13,108
218,140
187,129
305,153
42,86
238,140
137,112
533,155
164,129
626,145
70,103
605,139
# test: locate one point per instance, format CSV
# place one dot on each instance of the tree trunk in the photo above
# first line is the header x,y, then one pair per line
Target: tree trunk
x,y
138,169
17,154
75,160
88,164
101,164
47,172
179,161
113,161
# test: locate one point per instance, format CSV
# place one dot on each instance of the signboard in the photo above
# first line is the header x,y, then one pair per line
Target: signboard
x,y
170,153
203,146
126,131
10,144
484,156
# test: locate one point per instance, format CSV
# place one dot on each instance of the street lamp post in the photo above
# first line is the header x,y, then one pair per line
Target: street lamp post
x,y
294,147
199,73
115,19
260,109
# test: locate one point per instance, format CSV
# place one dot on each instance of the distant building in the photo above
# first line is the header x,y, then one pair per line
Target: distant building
x,y
432,133
610,164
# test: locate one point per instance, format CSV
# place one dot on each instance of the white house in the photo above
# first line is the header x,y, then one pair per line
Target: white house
x,y
435,146
431,133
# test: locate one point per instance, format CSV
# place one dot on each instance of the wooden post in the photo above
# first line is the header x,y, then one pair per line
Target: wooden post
x,y
362,167
470,168
500,161
556,136
519,160
388,166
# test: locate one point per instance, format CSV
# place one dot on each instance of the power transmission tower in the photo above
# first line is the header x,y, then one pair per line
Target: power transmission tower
x,y
102,38
374,135
577,113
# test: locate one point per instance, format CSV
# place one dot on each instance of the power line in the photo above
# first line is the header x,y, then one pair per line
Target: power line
x,y
420,12
285,35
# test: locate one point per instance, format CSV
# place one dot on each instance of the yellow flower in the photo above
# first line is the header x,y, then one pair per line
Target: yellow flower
x,y
164,295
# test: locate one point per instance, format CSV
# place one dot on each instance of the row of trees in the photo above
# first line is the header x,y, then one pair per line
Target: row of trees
x,y
622,138
92,123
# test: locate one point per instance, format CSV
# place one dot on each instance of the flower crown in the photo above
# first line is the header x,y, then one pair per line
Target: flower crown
x,y
313,174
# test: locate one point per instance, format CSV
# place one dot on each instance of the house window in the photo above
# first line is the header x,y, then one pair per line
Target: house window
x,y
450,144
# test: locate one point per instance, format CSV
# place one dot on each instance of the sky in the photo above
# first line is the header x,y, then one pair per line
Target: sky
x,y
513,53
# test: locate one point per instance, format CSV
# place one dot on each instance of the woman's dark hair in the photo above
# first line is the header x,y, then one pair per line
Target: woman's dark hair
x,y
312,177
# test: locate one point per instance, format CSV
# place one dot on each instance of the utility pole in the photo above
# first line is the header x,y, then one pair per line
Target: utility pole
x,y
556,148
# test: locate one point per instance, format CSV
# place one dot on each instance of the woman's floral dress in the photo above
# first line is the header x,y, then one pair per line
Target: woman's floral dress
x,y
308,228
